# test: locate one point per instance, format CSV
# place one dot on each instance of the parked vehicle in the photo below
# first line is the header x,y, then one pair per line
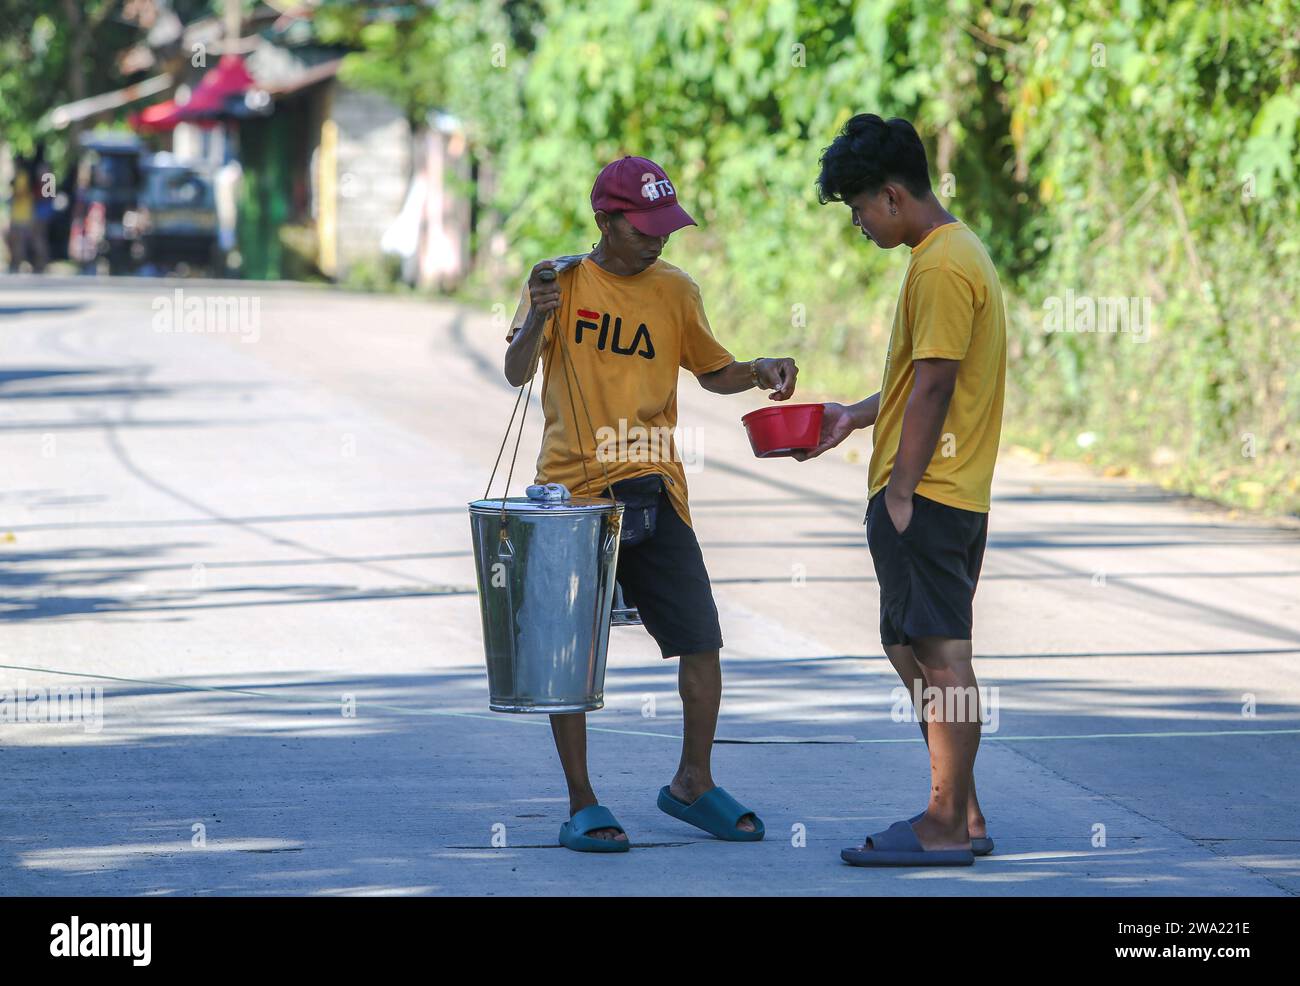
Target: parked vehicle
x,y
107,188
177,217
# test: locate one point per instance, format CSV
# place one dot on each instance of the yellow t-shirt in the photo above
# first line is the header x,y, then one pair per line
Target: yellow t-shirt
x,y
950,308
626,338
21,208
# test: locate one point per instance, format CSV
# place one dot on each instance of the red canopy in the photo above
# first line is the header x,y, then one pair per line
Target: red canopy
x,y
206,102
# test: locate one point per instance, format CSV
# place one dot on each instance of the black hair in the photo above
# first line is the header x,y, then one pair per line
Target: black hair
x,y
867,153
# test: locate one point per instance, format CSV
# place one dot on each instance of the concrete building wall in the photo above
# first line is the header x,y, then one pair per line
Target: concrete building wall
x,y
373,171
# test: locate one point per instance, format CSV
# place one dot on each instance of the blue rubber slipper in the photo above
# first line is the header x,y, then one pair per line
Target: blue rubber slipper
x,y
715,811
899,846
573,833
980,845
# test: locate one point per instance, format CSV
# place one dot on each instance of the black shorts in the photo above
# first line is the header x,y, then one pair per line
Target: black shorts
x,y
927,574
665,579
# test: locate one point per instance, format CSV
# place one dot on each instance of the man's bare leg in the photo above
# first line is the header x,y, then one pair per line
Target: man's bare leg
x,y
699,682
913,677
952,736
570,732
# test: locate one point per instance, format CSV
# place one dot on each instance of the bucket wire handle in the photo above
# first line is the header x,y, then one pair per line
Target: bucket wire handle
x,y
546,275
570,380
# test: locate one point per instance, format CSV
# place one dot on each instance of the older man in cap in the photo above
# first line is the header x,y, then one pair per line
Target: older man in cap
x,y
628,321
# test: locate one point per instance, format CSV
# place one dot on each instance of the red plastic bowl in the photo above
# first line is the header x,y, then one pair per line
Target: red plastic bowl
x,y
784,430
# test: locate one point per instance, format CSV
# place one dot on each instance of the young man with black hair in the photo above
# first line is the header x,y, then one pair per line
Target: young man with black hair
x,y
628,321
937,421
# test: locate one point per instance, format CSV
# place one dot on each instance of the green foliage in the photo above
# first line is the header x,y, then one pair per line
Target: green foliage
x,y
453,55
380,274
1165,168
1144,151
55,51
38,63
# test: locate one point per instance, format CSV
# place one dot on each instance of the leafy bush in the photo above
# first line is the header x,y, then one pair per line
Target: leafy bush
x,y
1107,149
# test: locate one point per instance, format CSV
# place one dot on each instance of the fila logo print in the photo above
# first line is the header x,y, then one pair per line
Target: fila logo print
x,y
639,346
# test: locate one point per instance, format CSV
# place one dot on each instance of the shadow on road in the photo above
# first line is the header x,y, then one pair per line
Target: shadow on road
x,y
394,784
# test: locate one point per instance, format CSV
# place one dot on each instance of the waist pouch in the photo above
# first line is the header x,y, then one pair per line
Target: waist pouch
x,y
640,499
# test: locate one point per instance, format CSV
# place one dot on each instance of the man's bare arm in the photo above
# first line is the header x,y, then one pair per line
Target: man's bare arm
x,y
866,411
524,352
775,374
923,417
521,356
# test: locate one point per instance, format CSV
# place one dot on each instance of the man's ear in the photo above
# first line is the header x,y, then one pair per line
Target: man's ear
x,y
894,195
602,222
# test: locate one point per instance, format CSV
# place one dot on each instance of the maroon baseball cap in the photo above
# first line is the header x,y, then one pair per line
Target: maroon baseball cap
x,y
638,188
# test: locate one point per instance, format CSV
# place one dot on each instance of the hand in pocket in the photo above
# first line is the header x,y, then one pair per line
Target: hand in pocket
x,y
900,512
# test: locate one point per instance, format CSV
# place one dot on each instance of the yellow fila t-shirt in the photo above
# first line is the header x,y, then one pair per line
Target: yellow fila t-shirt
x,y
626,338
950,308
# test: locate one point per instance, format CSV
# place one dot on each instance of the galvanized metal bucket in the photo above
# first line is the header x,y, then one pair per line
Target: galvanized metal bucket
x,y
546,565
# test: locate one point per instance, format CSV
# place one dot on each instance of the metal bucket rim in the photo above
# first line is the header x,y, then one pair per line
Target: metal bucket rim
x,y
578,505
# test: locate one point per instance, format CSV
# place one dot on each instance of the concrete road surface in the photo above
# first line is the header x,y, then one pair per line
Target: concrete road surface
x,y
246,553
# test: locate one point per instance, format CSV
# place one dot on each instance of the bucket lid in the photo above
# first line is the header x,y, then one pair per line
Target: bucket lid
x,y
526,505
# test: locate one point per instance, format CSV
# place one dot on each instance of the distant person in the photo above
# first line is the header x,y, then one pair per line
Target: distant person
x,y
937,420
226,187
628,320
42,213
22,218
